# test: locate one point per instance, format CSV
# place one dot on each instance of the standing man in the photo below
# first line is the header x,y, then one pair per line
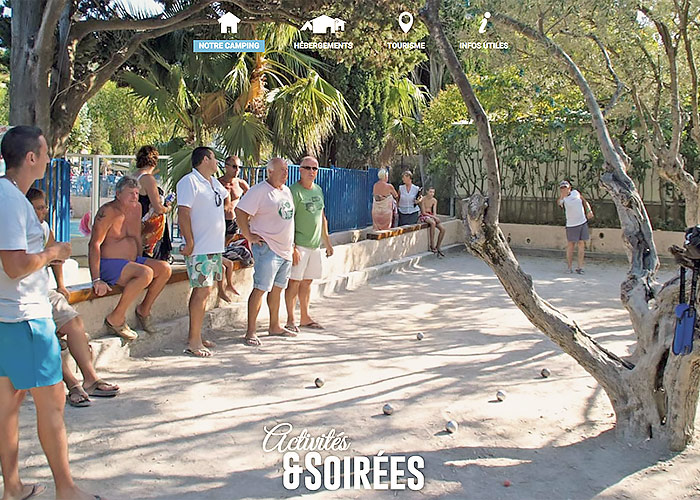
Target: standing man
x,y
200,213
310,226
30,356
578,211
236,188
265,217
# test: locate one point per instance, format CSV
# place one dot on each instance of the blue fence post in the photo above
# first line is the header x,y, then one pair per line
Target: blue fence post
x,y
56,186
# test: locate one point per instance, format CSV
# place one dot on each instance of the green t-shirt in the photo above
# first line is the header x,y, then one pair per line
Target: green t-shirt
x,y
308,209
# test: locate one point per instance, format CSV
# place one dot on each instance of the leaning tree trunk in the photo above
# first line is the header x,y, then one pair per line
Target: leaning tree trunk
x,y
654,394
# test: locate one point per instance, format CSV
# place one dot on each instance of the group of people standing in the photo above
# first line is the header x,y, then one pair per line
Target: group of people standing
x,y
406,207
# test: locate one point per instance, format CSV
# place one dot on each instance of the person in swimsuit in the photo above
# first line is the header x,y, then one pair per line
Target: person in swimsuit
x,y
154,224
428,211
384,201
236,188
114,256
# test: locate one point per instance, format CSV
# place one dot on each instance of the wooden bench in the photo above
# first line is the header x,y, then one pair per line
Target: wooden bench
x,y
388,233
83,292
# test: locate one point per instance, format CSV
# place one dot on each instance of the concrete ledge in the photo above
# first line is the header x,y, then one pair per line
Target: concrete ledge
x,y
396,231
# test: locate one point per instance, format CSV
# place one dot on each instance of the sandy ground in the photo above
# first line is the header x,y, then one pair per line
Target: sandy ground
x,y
193,429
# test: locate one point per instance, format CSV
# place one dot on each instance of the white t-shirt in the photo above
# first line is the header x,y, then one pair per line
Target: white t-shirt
x,y
24,298
208,224
407,199
573,207
271,216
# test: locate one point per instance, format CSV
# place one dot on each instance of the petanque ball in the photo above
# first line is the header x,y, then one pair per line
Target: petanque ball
x,y
545,373
420,335
319,382
388,409
501,395
451,426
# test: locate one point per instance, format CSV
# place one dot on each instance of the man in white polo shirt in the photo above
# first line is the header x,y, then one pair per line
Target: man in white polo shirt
x,y
200,200
265,217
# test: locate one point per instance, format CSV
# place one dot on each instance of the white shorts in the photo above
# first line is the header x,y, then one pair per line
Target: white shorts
x,y
310,266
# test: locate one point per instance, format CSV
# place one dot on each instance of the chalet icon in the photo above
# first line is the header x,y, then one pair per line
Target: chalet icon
x,y
229,22
324,24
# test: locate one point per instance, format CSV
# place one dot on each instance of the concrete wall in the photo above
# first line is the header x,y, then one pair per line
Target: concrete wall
x,y
603,241
350,255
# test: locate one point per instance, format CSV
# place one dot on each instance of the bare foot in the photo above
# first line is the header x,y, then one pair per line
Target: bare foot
x,y
231,289
27,491
224,297
77,494
209,343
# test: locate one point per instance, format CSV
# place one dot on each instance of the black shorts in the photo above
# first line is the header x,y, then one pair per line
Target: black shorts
x,y
231,227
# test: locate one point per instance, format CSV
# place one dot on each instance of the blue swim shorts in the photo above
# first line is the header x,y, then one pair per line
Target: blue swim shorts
x,y
270,269
111,269
30,354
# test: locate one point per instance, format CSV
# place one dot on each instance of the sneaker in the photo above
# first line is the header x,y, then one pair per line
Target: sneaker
x,y
579,271
569,271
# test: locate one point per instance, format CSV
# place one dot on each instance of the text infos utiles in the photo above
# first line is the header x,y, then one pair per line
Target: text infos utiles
x,y
303,462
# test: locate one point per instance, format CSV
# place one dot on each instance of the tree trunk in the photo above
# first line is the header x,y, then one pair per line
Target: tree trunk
x,y
656,397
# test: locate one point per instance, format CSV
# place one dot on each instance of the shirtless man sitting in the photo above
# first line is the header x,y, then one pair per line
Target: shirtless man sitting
x,y
428,213
115,258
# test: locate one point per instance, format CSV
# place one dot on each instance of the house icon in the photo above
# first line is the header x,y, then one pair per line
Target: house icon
x,y
323,24
229,22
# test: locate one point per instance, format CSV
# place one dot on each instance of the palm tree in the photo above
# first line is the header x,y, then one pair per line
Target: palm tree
x,y
250,103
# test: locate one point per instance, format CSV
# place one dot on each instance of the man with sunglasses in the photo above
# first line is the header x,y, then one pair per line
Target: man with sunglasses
x,y
236,188
310,226
200,199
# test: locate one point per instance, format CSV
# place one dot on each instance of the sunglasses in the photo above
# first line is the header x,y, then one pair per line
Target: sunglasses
x,y
217,197
305,167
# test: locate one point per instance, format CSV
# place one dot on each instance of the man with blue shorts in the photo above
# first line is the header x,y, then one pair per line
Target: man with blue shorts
x,y
265,217
30,356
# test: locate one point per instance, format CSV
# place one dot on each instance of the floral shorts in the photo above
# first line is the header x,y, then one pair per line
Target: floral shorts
x,y
204,270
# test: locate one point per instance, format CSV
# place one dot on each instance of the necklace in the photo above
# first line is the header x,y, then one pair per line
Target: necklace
x,y
11,180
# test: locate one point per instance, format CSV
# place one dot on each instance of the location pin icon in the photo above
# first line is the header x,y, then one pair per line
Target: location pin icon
x,y
405,21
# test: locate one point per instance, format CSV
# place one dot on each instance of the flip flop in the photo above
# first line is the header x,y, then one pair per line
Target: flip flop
x,y
292,328
37,490
252,341
122,331
284,333
313,326
82,400
198,353
94,389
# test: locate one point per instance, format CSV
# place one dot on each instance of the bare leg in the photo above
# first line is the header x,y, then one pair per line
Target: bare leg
x,y
161,274
290,299
254,304
431,232
49,402
441,236
197,306
273,304
581,250
226,283
570,254
305,301
80,350
10,402
68,377
134,278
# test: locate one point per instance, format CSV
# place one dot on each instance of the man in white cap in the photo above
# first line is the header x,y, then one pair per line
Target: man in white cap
x,y
578,211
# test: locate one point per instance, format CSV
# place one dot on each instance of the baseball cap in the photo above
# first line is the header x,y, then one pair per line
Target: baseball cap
x,y
564,184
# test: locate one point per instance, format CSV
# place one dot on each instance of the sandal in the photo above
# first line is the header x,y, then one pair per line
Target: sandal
x,y
284,333
77,397
313,326
145,321
202,352
122,331
37,489
292,327
99,390
252,341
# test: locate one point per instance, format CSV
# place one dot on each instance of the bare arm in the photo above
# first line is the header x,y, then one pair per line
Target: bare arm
x,y
243,221
100,226
148,182
57,269
18,263
326,236
244,186
184,221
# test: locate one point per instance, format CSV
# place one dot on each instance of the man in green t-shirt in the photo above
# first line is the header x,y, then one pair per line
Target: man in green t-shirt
x,y
310,227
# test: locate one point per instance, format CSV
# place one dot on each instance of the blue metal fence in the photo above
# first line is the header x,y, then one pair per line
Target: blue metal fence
x,y
347,193
56,185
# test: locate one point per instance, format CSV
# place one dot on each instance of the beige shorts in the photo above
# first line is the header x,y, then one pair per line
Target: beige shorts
x,y
310,266
61,310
